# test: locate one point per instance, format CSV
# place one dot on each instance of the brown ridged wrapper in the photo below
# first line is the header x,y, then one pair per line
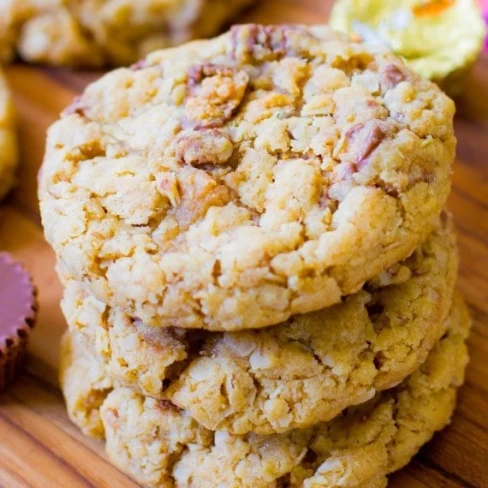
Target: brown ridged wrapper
x,y
18,312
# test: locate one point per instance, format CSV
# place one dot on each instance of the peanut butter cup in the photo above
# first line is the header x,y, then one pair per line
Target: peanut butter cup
x,y
18,307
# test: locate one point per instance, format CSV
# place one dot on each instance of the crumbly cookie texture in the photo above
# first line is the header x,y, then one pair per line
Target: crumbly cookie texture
x,y
8,139
162,447
85,388
292,375
97,32
230,184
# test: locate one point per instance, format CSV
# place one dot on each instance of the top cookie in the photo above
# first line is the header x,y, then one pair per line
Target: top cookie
x,y
229,184
95,32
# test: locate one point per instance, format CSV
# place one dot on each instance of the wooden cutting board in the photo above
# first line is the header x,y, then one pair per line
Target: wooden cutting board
x,y
38,445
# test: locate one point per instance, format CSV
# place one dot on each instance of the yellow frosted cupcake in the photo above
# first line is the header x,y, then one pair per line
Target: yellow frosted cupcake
x,y
441,39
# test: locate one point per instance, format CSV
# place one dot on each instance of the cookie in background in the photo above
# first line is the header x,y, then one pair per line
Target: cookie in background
x,y
92,33
8,139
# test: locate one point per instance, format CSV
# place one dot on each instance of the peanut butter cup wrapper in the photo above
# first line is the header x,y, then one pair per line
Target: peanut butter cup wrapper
x,y
18,310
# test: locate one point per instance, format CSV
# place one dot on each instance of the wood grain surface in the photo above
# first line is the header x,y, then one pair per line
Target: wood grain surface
x,y
38,445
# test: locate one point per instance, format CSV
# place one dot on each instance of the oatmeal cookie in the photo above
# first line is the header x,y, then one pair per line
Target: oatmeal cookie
x,y
292,375
96,32
230,184
8,139
159,446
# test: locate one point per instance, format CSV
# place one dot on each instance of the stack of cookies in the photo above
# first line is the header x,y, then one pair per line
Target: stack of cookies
x,y
259,273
